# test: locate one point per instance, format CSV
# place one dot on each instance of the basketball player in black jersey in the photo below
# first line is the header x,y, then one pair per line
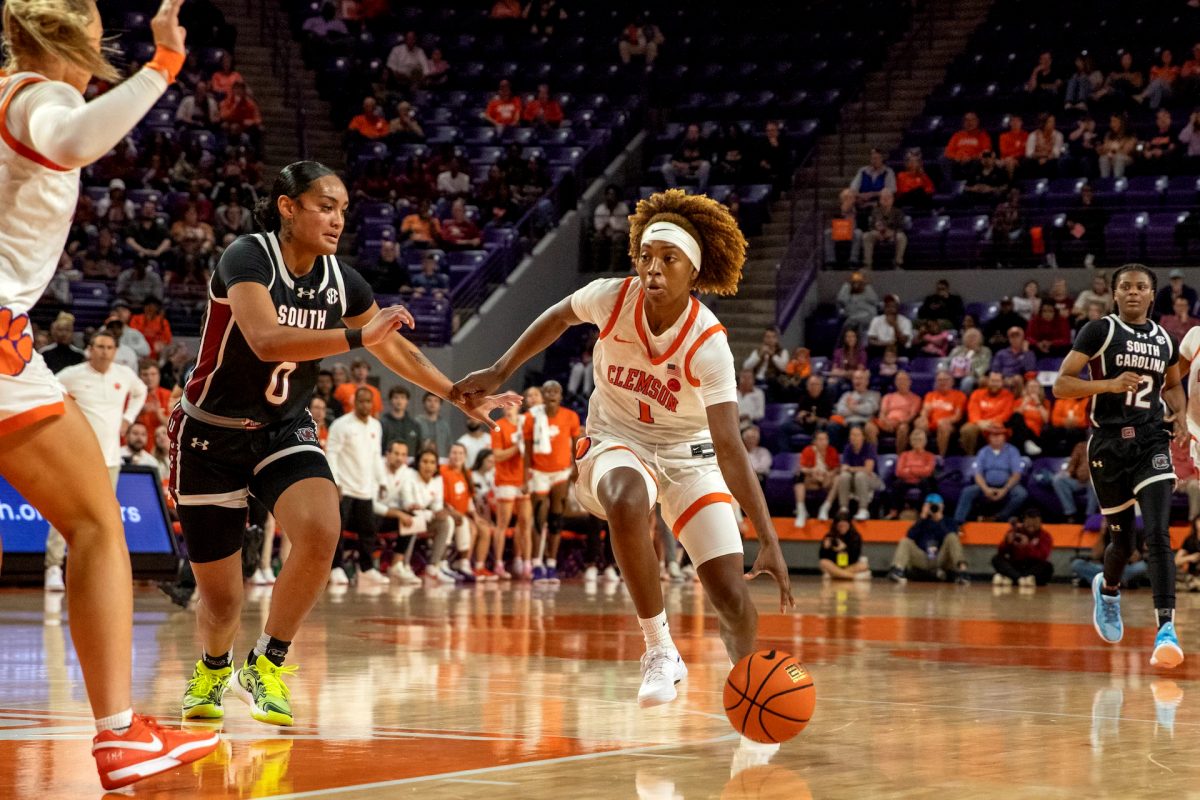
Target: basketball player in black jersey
x,y
279,301
1134,379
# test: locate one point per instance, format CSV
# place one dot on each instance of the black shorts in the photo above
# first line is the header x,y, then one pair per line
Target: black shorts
x,y
1123,461
214,470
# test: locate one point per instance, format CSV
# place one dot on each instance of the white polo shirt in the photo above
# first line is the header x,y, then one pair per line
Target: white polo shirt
x,y
106,399
353,450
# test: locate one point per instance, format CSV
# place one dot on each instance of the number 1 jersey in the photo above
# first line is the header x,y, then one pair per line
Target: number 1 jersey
x,y
229,379
1113,347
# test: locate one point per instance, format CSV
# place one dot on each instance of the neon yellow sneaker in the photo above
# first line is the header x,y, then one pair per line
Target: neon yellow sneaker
x,y
205,691
261,686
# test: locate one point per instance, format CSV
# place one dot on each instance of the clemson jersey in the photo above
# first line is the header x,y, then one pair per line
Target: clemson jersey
x,y
456,488
653,390
564,429
511,471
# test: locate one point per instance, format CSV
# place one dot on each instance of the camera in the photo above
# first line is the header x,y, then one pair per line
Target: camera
x,y
935,508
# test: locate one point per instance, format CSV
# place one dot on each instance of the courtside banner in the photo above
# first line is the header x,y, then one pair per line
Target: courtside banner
x,y
139,492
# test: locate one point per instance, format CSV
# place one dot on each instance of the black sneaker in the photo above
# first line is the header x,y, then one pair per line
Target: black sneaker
x,y
962,579
896,575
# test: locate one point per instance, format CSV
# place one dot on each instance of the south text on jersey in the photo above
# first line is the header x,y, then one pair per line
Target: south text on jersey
x,y
293,317
1141,355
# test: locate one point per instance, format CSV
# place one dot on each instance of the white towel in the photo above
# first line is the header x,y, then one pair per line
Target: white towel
x,y
541,430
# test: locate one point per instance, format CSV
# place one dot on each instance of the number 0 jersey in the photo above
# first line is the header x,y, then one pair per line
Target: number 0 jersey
x,y
229,380
1113,347
653,390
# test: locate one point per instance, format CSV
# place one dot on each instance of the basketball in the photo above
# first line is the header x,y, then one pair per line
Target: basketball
x,y
769,696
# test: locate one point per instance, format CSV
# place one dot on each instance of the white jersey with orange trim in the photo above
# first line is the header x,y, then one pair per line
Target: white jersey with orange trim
x,y
653,390
1189,348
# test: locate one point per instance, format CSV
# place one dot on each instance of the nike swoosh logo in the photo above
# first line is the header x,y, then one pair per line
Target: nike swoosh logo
x,y
151,746
623,341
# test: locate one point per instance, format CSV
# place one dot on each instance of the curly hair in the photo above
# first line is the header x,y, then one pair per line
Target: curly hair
x,y
722,245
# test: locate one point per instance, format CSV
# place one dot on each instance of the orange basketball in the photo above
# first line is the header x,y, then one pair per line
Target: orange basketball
x,y
769,696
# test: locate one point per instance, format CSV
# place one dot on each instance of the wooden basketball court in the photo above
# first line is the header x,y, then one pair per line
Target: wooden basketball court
x,y
513,692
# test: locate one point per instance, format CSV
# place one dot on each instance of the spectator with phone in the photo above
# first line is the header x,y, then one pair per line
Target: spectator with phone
x,y
930,546
840,556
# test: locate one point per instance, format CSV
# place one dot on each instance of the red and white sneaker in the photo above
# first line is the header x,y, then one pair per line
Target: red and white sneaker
x,y
146,749
485,574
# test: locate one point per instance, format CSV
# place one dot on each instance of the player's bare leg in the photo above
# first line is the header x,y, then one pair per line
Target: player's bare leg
x,y
219,609
724,583
308,511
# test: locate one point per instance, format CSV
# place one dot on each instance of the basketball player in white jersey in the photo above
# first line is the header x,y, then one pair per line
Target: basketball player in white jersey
x,y
47,133
662,423
1189,364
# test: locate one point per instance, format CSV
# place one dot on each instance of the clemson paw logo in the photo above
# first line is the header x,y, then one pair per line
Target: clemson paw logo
x,y
16,342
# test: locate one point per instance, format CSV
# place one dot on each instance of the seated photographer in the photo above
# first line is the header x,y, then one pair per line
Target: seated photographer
x,y
930,546
1024,554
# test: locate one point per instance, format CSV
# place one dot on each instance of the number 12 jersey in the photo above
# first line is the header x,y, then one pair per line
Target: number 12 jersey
x,y
1113,347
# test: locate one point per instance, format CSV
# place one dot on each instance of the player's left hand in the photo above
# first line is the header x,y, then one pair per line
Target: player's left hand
x,y
1180,429
481,408
479,382
770,561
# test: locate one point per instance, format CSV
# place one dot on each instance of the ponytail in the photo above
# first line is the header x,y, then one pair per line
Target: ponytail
x,y
57,28
292,181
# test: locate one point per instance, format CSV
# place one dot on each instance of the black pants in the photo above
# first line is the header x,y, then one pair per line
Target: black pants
x,y
358,517
1042,571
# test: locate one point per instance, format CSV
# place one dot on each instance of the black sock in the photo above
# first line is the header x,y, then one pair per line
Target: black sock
x,y
274,649
1164,615
218,662
1104,590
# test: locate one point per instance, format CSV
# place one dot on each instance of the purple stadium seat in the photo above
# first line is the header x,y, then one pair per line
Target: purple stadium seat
x,y
925,240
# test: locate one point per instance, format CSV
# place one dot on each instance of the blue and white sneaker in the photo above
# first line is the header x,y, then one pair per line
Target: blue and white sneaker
x,y
552,575
1167,652
1106,616
539,573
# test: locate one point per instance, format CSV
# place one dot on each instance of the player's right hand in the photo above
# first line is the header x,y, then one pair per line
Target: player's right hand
x,y
479,383
165,26
384,323
1125,382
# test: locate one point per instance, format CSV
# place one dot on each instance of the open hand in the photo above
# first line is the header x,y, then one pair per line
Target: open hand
x,y
384,323
478,383
165,26
770,561
480,408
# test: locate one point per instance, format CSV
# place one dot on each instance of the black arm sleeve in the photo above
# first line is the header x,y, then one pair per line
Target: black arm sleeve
x,y
359,295
1091,337
244,260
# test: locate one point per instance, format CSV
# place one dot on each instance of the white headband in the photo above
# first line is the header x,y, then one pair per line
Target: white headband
x,y
669,232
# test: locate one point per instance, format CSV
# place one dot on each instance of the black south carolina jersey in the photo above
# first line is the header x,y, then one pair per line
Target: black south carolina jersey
x,y
1113,347
230,380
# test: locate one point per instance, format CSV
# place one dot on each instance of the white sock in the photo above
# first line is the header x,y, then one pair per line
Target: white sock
x,y
260,647
537,562
656,631
119,722
552,563
518,565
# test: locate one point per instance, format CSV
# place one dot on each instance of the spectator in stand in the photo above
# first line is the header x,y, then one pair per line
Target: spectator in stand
x,y
840,555
932,339
1077,475
889,328
914,187
985,181
192,236
816,470
1016,359
843,239
966,147
1027,303
1164,301
231,217
430,280
1097,293
1083,85
760,457
1189,75
914,470
240,113
1060,296
222,80
1034,410
752,403
1187,480
1024,554
1117,149
137,282
775,158
640,38
943,307
732,154
407,64
849,356
1012,144
460,233
857,479
854,408
1162,148
770,359
1049,333
1007,229
1190,135
990,409
360,372
1083,145
1044,82
421,228
386,273
1043,149
453,182
369,125
398,426
543,111
997,479
1162,81
504,110
897,411
689,160
1082,232
116,198
404,128
476,439
1086,569
857,301
1187,559
1182,321
887,225
1068,422
1123,83
930,545
134,451
156,411
870,181
62,353
127,337
970,361
942,410
102,260
610,225
813,410
353,447
433,425
153,325
199,109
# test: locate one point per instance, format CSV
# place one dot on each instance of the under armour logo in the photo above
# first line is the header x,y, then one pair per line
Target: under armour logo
x,y
200,443
1098,464
331,296
306,294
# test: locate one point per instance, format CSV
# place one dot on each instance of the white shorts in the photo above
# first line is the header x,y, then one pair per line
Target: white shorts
x,y
29,397
541,482
508,493
695,501
462,534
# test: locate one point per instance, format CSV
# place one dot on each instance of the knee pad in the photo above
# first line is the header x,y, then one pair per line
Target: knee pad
x,y
211,533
